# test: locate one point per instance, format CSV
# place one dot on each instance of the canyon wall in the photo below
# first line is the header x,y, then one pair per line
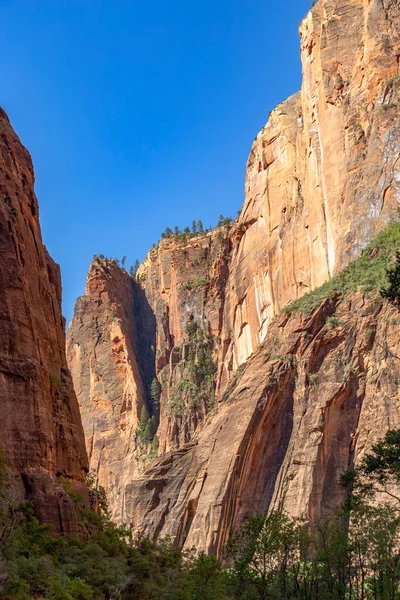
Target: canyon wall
x,y
323,175
41,432
255,410
304,409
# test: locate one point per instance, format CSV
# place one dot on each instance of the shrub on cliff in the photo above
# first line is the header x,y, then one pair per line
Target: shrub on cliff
x,y
392,291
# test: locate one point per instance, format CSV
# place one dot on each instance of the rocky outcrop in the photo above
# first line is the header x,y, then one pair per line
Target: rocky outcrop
x,y
40,427
323,178
126,337
184,283
107,377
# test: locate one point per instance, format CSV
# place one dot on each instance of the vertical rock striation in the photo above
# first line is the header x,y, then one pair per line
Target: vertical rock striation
x,y
305,408
40,427
323,175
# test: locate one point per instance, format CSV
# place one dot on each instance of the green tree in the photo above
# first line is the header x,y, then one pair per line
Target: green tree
x,y
200,226
378,471
392,291
155,394
205,579
265,551
194,227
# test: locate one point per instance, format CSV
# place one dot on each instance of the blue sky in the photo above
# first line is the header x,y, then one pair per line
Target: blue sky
x,y
140,114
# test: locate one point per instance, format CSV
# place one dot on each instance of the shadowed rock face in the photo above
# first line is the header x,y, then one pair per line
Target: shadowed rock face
x,y
107,377
40,426
280,414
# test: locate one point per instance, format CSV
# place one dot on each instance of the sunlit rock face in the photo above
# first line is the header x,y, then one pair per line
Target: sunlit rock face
x,y
323,175
240,427
41,432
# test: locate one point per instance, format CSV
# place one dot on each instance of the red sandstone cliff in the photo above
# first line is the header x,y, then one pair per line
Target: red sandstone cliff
x,y
40,427
323,178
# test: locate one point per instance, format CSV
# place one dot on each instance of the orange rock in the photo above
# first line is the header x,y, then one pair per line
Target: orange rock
x,y
40,426
305,408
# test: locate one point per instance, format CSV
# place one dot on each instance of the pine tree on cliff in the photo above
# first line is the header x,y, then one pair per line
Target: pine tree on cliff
x,y
155,393
392,291
194,227
200,226
144,419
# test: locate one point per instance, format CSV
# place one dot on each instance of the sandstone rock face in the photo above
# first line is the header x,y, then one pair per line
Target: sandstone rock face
x,y
124,335
303,410
107,378
40,427
323,176
256,410
184,283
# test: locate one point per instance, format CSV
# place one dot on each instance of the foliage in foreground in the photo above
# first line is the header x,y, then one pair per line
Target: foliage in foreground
x,y
374,270
354,555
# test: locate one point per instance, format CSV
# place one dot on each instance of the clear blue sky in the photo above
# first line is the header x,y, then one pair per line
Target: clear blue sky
x,y
140,114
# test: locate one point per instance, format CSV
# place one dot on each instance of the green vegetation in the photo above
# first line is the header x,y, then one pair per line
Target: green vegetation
x,y
155,394
392,291
147,428
334,321
379,470
197,387
352,555
194,284
195,230
371,272
134,269
116,262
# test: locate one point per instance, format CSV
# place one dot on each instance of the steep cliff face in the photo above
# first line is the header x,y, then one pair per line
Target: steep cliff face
x,y
323,175
106,375
234,437
305,407
40,427
184,283
152,344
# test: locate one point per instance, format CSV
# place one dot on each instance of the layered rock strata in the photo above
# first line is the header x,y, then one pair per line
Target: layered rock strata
x,y
40,428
